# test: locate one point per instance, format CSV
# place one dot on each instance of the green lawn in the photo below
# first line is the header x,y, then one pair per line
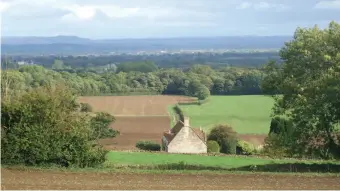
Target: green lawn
x,y
246,114
146,158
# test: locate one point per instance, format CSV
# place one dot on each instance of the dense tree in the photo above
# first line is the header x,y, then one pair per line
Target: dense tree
x,y
309,82
137,66
178,60
199,81
43,126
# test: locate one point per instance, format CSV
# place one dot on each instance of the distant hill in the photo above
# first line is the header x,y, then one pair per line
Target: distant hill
x,y
75,45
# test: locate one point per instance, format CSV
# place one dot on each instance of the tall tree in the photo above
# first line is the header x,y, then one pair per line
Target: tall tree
x,y
309,80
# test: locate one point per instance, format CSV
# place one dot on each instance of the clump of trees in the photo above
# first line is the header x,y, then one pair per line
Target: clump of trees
x,y
308,83
43,126
226,138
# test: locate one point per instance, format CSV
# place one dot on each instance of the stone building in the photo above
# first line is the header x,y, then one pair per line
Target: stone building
x,y
184,139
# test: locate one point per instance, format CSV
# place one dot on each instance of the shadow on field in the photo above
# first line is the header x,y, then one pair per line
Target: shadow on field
x,y
286,167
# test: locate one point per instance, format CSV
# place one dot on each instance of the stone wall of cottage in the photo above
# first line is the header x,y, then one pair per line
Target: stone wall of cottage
x,y
186,141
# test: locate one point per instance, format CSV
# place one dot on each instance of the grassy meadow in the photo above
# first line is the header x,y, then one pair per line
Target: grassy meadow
x,y
248,114
145,158
223,162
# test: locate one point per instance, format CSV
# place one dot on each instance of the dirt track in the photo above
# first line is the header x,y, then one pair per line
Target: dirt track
x,y
15,179
133,129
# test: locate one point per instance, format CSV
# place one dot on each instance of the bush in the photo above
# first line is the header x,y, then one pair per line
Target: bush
x,y
274,147
100,125
280,140
178,111
85,107
148,146
43,127
230,146
213,147
226,137
245,148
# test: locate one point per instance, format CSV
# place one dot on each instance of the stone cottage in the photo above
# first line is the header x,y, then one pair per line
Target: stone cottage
x,y
184,139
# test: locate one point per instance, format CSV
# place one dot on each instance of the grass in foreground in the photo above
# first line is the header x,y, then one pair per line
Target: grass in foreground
x,y
249,114
148,158
163,161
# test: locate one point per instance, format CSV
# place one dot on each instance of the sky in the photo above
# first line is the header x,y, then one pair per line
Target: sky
x,y
98,19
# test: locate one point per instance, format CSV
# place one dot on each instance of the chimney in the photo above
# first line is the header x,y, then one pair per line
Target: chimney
x,y
186,122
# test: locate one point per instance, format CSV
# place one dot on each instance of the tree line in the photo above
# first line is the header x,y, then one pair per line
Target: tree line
x,y
168,60
198,80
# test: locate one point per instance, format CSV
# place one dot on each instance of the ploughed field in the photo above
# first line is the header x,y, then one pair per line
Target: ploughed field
x,y
134,129
147,117
137,117
133,105
49,180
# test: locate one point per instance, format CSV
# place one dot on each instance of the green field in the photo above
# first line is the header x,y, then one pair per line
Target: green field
x,y
246,114
144,158
219,162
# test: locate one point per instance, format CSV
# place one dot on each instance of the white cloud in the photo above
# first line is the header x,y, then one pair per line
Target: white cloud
x,y
244,5
262,6
328,4
79,12
4,6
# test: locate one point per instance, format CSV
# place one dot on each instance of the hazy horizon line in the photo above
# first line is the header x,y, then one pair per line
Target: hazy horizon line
x,y
136,38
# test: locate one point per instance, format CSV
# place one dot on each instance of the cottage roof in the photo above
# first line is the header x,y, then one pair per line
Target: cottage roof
x,y
170,135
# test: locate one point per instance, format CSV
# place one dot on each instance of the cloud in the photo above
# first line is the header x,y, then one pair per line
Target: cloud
x,y
244,5
4,6
261,6
328,4
132,18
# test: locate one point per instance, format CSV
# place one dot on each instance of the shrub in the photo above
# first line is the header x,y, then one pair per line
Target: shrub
x,y
280,140
148,146
85,107
230,146
245,148
43,127
178,111
213,147
100,125
273,147
226,137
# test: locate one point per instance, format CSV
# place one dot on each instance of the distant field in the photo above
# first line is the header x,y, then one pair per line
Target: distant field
x,y
246,114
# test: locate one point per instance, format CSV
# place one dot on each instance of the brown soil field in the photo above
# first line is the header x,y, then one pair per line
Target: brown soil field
x,y
47,180
134,129
145,118
133,105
